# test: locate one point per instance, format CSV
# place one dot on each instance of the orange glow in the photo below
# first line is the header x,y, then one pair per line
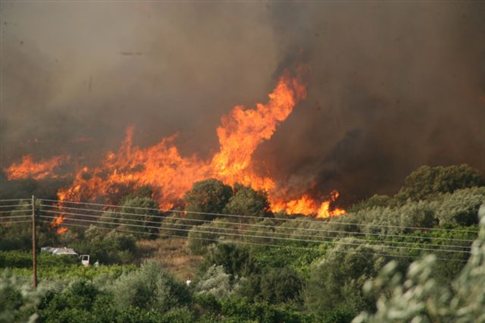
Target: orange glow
x,y
307,205
56,223
170,174
27,168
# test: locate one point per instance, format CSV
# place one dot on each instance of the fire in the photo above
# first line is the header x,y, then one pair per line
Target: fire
x,y
27,168
170,174
307,205
56,223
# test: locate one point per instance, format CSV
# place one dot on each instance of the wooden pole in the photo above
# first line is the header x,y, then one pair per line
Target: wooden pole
x,y
34,245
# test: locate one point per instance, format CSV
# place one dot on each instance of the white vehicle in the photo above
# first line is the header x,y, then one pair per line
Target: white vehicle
x,y
84,260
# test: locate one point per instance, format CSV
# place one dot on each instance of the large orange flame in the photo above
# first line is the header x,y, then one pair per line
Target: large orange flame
x,y
162,167
27,168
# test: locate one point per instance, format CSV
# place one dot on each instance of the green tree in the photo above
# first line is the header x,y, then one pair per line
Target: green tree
x,y
236,260
427,180
141,214
274,286
336,280
420,297
150,288
248,202
17,300
107,247
206,199
460,207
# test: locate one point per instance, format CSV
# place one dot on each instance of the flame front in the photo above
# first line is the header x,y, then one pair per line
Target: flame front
x,y
171,175
27,168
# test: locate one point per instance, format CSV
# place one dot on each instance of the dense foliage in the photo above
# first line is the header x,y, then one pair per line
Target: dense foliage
x,y
406,257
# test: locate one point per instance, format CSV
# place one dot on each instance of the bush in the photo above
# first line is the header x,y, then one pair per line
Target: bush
x,y
214,282
240,310
426,181
235,260
218,231
280,285
337,279
248,202
208,196
150,288
22,259
460,207
18,301
140,214
421,298
273,286
107,247
201,237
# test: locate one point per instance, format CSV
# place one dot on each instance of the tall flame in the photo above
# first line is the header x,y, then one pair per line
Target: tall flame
x,y
162,167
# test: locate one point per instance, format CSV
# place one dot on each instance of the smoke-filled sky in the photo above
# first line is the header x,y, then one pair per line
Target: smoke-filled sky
x,y
391,85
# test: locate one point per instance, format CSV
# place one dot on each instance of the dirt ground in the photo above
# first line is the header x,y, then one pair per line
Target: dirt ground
x,y
173,254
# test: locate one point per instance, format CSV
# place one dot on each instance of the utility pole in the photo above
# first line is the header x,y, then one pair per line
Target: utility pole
x,y
34,245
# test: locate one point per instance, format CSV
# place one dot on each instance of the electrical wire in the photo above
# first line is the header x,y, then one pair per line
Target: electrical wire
x,y
13,200
249,235
272,227
15,217
259,244
11,222
14,211
245,230
289,218
11,206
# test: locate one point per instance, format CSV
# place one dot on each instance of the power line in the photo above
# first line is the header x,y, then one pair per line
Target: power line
x,y
242,230
258,244
11,206
265,226
326,221
15,217
11,222
13,200
13,211
248,235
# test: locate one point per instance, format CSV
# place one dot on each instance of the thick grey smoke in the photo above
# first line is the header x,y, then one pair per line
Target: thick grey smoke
x,y
391,86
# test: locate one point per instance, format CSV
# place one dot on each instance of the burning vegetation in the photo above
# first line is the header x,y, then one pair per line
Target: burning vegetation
x,y
170,174
28,168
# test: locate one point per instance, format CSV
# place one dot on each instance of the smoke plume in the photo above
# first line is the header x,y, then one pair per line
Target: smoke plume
x,y
391,86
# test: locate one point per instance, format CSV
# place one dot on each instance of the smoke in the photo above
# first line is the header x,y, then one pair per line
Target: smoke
x,y
391,86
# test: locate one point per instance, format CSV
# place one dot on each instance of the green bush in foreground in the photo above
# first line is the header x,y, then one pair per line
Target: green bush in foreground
x,y
421,298
17,300
150,288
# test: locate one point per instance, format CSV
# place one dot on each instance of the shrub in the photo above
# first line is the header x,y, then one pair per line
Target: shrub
x,y
218,231
76,303
279,285
336,279
150,288
141,214
248,202
421,298
460,207
214,282
17,301
426,181
107,247
208,196
274,286
235,260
